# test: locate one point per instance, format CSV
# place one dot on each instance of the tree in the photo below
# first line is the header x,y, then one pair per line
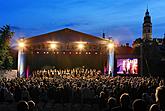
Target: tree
x,y
150,55
6,60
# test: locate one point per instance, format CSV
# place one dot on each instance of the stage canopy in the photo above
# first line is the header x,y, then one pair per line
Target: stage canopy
x,y
65,36
64,48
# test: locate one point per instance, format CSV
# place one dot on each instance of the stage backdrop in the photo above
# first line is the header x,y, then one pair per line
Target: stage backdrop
x,y
63,61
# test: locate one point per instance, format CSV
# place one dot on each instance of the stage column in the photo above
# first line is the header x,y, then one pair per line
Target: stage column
x,y
21,59
110,59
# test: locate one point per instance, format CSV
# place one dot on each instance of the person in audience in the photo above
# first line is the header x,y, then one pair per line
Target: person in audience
x,y
160,97
112,102
31,105
22,106
154,107
3,90
139,105
102,101
25,94
124,103
148,100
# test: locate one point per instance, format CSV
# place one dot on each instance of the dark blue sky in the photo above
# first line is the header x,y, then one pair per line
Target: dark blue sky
x,y
120,19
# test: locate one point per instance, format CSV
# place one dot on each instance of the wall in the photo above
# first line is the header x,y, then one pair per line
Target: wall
x,y
8,74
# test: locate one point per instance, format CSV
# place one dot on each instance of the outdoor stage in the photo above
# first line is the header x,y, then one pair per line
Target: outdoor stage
x,y
65,48
67,60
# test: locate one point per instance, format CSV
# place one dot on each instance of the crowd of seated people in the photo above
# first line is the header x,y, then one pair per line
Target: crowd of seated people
x,y
101,93
75,72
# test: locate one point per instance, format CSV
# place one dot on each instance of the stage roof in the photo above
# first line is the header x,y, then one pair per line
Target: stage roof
x,y
65,36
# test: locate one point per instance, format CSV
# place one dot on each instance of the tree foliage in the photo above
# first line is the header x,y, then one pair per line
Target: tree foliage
x,y
6,60
150,54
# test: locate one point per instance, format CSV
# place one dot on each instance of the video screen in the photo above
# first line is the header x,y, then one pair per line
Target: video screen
x,y
127,66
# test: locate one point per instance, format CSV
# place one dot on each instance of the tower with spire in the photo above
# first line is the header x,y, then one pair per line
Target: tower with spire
x,y
147,27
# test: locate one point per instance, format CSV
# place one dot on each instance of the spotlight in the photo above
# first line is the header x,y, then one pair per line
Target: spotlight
x,y
110,45
53,46
21,44
80,46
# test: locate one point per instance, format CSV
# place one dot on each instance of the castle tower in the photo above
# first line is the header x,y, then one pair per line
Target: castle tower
x,y
147,27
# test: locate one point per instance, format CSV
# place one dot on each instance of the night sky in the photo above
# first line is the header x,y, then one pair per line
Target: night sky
x,y
120,19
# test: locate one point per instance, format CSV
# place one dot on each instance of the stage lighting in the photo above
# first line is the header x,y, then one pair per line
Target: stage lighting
x,y
21,44
110,45
53,46
80,46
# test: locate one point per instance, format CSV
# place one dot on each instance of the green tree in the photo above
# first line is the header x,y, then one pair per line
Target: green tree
x,y
6,60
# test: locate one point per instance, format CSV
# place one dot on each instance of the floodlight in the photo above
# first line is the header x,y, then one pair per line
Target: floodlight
x,y
53,46
110,45
80,46
21,44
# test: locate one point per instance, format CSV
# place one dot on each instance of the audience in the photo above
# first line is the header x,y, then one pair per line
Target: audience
x,y
82,86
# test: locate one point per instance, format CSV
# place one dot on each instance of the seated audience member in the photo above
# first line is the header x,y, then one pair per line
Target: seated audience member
x,y
112,102
22,106
139,105
154,107
160,97
31,105
124,103
102,100
148,100
25,94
